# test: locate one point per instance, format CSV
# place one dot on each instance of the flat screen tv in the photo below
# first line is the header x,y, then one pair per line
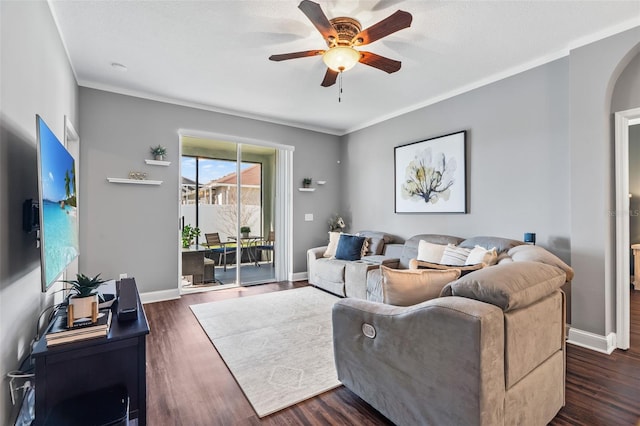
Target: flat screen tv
x,y
58,206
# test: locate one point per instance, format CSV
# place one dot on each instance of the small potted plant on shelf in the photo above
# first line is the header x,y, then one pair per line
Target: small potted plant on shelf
x,y
189,233
83,302
306,182
245,230
158,152
336,223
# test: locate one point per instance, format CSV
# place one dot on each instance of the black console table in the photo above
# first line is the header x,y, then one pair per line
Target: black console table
x,y
72,369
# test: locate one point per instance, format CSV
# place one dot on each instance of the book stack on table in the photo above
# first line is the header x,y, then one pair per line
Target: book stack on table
x,y
82,329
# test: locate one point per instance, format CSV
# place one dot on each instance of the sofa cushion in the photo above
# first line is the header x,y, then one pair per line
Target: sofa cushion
x,y
532,253
350,247
453,255
430,252
406,287
410,247
510,285
499,243
334,237
377,241
482,255
331,270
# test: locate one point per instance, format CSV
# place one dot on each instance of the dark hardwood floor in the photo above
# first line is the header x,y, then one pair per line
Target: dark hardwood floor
x,y
189,384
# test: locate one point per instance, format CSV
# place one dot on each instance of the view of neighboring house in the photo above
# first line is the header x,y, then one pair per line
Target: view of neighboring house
x,y
217,202
223,190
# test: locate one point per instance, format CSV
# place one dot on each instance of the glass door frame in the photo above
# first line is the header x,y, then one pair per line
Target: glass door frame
x,y
240,205
283,201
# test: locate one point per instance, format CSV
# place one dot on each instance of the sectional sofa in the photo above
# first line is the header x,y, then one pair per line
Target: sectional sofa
x,y
361,278
487,349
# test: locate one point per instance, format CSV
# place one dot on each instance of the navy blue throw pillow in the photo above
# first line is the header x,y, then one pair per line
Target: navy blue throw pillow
x,y
349,247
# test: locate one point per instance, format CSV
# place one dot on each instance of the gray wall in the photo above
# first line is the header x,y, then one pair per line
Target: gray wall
x,y
134,228
626,93
35,78
594,69
517,162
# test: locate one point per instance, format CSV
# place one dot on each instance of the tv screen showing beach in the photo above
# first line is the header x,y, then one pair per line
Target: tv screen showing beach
x,y
57,184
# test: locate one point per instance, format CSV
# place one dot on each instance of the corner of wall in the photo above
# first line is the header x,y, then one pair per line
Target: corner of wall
x,y
595,342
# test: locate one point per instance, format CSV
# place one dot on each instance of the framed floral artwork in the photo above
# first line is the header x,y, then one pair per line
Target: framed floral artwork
x,y
430,175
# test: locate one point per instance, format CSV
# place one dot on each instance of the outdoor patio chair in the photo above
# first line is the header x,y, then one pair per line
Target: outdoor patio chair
x,y
216,246
267,245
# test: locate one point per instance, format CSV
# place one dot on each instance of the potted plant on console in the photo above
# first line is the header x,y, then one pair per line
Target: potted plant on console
x,y
83,302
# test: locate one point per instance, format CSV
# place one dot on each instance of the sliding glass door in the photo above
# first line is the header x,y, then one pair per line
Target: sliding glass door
x,y
228,193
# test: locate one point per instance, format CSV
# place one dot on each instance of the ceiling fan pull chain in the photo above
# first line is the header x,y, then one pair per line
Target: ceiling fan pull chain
x,y
340,87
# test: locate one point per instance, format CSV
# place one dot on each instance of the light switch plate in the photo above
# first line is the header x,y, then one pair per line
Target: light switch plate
x,y
308,217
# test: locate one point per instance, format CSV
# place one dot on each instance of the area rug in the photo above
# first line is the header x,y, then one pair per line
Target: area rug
x,y
277,345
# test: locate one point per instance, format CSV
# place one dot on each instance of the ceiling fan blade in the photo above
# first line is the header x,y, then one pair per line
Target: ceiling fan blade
x,y
314,12
330,78
380,62
295,55
389,25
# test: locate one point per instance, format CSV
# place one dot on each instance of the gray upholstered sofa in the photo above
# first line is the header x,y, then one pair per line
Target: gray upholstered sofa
x,y
508,250
354,278
489,351
348,278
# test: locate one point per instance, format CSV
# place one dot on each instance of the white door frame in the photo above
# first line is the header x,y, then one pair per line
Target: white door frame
x,y
623,120
284,196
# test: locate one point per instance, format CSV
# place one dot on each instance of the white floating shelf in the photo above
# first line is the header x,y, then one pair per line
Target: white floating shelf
x,y
306,189
322,182
157,162
135,181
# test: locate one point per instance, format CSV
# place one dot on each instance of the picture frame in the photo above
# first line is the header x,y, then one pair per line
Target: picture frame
x,y
430,175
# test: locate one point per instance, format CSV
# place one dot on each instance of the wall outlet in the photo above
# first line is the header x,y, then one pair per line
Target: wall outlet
x,y
308,217
123,275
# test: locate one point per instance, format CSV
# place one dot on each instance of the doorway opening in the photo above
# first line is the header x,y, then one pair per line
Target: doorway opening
x,y
624,120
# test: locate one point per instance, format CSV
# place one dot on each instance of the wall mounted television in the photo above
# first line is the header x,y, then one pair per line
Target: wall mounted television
x,y
58,205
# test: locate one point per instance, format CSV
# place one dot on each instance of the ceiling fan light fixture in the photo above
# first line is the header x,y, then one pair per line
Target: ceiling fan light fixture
x,y
341,58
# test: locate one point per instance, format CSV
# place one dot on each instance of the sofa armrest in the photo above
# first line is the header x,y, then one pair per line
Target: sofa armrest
x,y
313,254
356,274
447,351
316,252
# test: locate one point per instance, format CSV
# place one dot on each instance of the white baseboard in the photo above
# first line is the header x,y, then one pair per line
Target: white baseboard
x,y
595,342
299,276
159,296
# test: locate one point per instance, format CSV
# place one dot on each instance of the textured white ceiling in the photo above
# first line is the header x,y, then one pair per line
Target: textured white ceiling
x,y
214,54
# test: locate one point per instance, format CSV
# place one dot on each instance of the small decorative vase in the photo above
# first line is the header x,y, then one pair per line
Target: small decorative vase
x,y
159,157
245,234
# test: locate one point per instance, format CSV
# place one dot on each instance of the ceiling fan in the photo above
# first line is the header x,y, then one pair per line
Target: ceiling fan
x,y
342,35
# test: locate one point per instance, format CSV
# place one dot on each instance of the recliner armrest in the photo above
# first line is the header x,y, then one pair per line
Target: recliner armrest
x,y
424,359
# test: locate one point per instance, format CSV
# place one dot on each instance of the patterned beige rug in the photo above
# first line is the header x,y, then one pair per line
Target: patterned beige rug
x,y
278,345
